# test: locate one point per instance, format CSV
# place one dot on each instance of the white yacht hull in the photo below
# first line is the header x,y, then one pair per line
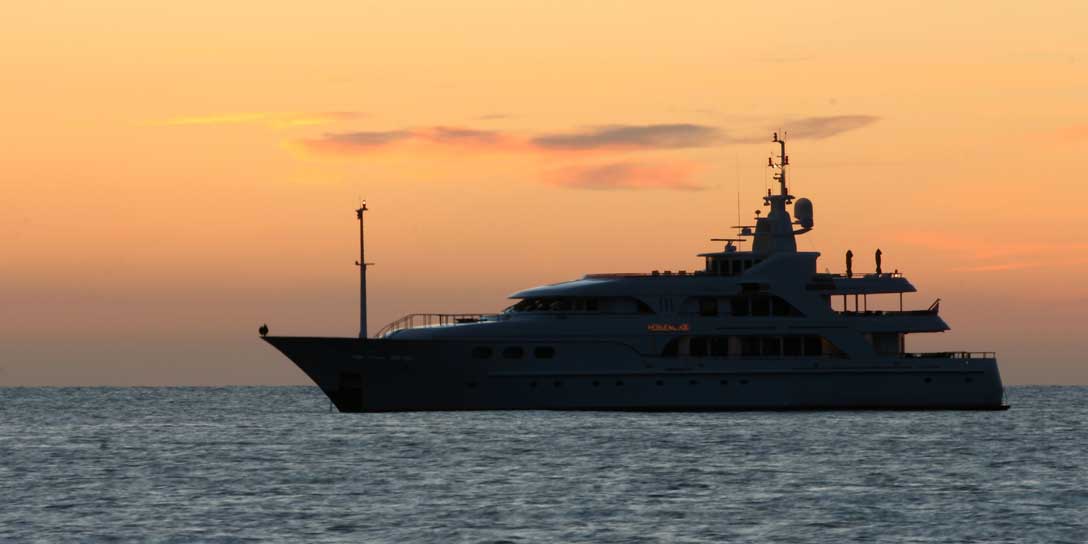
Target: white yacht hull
x,y
418,375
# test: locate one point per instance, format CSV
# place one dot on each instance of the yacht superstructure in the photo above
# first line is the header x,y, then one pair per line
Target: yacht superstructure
x,y
753,330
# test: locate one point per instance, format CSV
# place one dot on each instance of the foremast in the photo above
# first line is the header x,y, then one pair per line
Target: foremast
x,y
362,264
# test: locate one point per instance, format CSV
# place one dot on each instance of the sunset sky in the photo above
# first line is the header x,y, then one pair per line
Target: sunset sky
x,y
175,174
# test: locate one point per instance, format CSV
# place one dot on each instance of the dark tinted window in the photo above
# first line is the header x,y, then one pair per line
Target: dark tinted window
x,y
791,346
698,346
544,352
780,307
749,346
761,305
671,348
739,305
813,345
719,346
708,306
481,352
513,352
772,346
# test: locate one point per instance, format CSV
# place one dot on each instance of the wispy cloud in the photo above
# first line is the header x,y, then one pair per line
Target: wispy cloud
x,y
799,128
610,138
600,142
626,175
664,136
436,137
457,135
347,142
270,119
818,128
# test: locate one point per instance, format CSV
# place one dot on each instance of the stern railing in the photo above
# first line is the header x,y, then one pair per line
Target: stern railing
x,y
952,355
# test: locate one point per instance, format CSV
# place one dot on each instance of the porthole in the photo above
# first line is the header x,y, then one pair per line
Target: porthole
x,y
532,384
660,382
513,352
928,380
596,383
558,383
619,382
744,382
481,352
693,382
544,352
725,382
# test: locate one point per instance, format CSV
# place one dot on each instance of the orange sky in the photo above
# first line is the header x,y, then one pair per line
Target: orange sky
x,y
174,176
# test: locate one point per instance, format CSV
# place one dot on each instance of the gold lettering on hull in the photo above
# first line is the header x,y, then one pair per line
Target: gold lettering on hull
x,y
668,327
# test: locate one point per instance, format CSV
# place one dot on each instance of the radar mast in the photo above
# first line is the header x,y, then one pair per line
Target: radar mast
x,y
780,166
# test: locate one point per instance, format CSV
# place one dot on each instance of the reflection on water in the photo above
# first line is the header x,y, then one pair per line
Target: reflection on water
x,y
274,464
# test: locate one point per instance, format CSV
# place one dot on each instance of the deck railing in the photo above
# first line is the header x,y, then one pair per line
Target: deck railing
x,y
953,355
864,313
415,321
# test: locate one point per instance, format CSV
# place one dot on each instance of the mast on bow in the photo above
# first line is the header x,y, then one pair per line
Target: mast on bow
x,y
362,264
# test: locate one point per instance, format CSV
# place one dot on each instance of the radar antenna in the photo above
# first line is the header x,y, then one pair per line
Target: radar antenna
x,y
783,162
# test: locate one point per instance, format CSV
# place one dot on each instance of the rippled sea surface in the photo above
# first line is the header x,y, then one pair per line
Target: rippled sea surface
x,y
253,463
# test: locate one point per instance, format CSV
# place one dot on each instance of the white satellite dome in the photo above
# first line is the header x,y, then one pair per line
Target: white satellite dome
x,y
802,212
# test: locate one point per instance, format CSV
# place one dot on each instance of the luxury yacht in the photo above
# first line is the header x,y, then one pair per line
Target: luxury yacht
x,y
760,329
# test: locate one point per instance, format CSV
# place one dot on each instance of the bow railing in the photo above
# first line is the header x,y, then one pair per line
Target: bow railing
x,y
416,321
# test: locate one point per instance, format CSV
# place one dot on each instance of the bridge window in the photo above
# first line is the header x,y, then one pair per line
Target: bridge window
x,y
513,352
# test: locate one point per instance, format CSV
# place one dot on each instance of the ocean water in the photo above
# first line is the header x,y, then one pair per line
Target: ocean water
x,y
273,464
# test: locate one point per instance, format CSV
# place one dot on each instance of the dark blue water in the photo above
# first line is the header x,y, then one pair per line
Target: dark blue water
x,y
185,464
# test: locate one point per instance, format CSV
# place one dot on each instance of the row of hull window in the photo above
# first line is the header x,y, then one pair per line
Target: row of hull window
x,y
513,352
748,346
616,305
757,305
